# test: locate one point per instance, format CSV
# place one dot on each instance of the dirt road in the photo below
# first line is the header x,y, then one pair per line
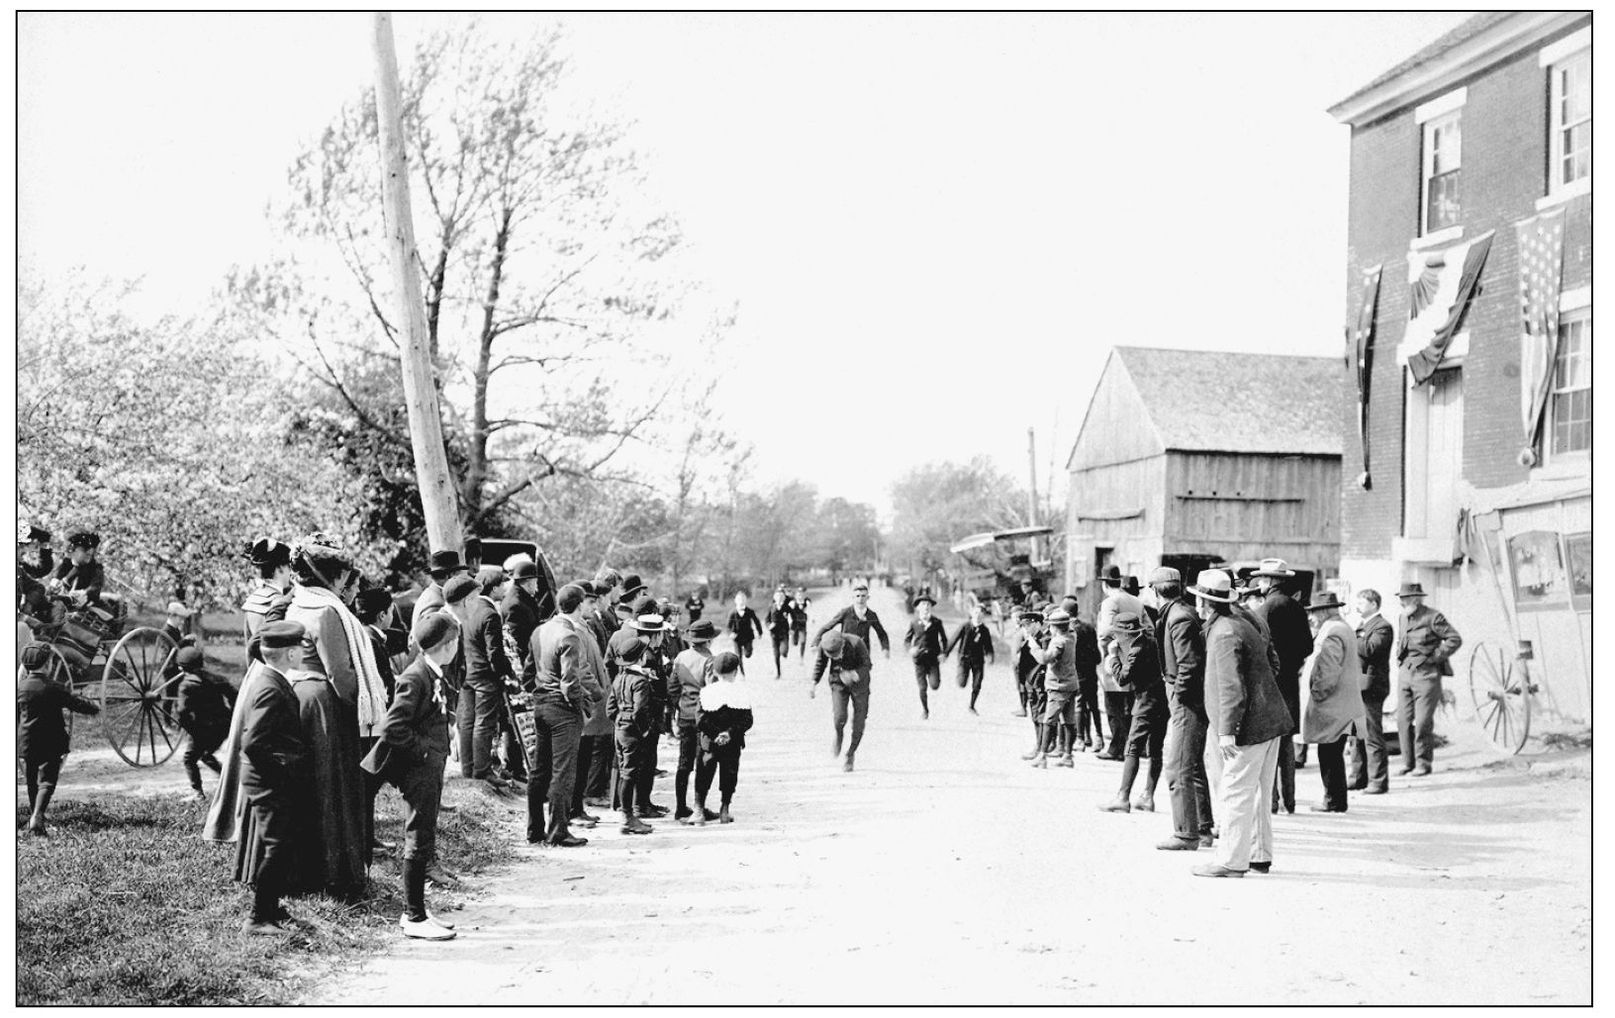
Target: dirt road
x,y
946,871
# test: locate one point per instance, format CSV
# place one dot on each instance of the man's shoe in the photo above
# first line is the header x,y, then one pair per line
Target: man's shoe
x,y
724,817
585,822
973,710
1178,845
1404,771
660,773
1262,867
650,809
847,764
424,929
636,826
1207,841
440,922
1214,870
1319,807
1102,755
264,928
1421,772
683,813
1145,803
1117,805
1040,761
1374,790
497,784
568,841
1065,761
707,814
1357,786
598,802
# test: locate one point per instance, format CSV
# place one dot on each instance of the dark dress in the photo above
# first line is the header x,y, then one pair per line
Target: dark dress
x,y
334,858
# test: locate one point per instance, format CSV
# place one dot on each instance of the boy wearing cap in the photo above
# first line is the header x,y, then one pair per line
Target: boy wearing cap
x,y
409,754
927,643
1029,673
974,641
725,718
42,741
744,626
276,780
799,622
691,672
847,659
633,707
857,619
204,703
1059,661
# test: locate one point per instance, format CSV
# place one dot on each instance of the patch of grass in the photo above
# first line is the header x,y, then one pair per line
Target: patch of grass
x,y
125,904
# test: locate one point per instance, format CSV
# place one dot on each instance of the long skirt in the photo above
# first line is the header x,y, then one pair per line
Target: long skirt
x,y
335,855
228,807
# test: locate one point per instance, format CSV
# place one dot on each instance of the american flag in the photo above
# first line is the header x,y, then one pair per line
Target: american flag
x,y
1362,346
1541,243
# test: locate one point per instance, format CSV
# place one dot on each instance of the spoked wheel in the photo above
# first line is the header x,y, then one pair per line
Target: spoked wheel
x,y
1501,692
138,713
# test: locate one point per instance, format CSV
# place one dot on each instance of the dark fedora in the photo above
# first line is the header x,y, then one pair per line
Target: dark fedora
x,y
526,569
1112,576
701,629
445,562
1411,590
266,551
631,585
1325,600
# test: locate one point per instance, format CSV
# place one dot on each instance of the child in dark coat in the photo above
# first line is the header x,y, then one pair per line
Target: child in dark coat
x,y
41,734
204,705
722,726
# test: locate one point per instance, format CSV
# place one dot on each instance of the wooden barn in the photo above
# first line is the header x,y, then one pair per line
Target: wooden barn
x,y
1194,458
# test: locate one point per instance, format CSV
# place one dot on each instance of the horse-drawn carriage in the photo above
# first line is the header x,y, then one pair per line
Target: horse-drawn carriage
x,y
132,675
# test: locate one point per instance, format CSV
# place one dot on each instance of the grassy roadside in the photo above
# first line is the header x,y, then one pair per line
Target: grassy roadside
x,y
125,904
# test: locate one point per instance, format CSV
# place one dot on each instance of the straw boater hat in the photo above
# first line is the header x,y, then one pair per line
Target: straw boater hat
x,y
648,623
1214,585
1274,567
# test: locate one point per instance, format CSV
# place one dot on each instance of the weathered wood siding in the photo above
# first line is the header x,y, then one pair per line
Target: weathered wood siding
x,y
1117,429
1243,506
1107,491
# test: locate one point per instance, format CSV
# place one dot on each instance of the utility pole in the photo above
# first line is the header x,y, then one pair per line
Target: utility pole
x,y
1031,487
438,501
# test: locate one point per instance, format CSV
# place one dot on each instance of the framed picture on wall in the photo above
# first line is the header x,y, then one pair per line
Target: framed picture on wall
x,y
1539,573
1579,564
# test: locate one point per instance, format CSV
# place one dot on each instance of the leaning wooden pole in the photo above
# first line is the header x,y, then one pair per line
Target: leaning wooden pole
x,y
436,484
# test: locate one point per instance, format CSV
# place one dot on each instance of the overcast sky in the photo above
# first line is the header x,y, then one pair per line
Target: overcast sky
x,y
935,226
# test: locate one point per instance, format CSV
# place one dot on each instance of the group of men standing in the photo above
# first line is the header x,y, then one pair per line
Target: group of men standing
x,y
1181,666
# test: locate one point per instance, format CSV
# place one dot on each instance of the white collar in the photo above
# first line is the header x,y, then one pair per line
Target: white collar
x,y
1371,616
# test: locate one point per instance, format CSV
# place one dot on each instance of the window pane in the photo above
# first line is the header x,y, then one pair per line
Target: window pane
x,y
1442,208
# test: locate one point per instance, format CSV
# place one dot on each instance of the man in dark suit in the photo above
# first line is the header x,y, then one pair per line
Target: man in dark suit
x,y
560,674
411,748
1291,633
1369,771
857,619
482,642
1424,651
1183,667
847,658
275,780
1249,720
520,610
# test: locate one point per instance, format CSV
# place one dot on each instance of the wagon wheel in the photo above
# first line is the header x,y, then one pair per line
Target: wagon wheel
x,y
58,670
1501,693
138,715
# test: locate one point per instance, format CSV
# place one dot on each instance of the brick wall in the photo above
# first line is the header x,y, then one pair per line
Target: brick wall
x,y
1504,173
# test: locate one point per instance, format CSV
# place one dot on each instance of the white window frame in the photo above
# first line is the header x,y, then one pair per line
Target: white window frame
x,y
1581,312
1557,127
1449,119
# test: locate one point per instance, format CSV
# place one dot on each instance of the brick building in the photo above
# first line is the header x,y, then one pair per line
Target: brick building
x,y
1200,458
1468,457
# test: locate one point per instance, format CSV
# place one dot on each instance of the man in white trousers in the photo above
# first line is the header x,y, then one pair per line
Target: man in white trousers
x,y
1248,717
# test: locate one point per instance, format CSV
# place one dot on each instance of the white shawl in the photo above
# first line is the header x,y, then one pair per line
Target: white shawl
x,y
372,702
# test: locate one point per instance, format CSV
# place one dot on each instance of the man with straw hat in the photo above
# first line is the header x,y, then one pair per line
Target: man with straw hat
x,y
1333,704
1248,719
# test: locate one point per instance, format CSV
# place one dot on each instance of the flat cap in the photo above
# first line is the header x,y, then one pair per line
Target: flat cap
x,y
434,628
281,634
458,589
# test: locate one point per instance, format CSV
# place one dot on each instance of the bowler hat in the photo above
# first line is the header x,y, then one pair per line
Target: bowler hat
x,y
1214,585
1411,590
373,601
832,644
1131,586
701,630
1274,567
526,569
445,562
1324,600
189,659
434,628
458,589
924,599
1112,576
281,634
1165,574
631,585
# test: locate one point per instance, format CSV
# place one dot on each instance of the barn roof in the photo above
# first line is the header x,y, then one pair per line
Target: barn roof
x,y
1217,401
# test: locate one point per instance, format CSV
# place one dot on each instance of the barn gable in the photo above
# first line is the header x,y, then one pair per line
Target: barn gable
x,y
1118,427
